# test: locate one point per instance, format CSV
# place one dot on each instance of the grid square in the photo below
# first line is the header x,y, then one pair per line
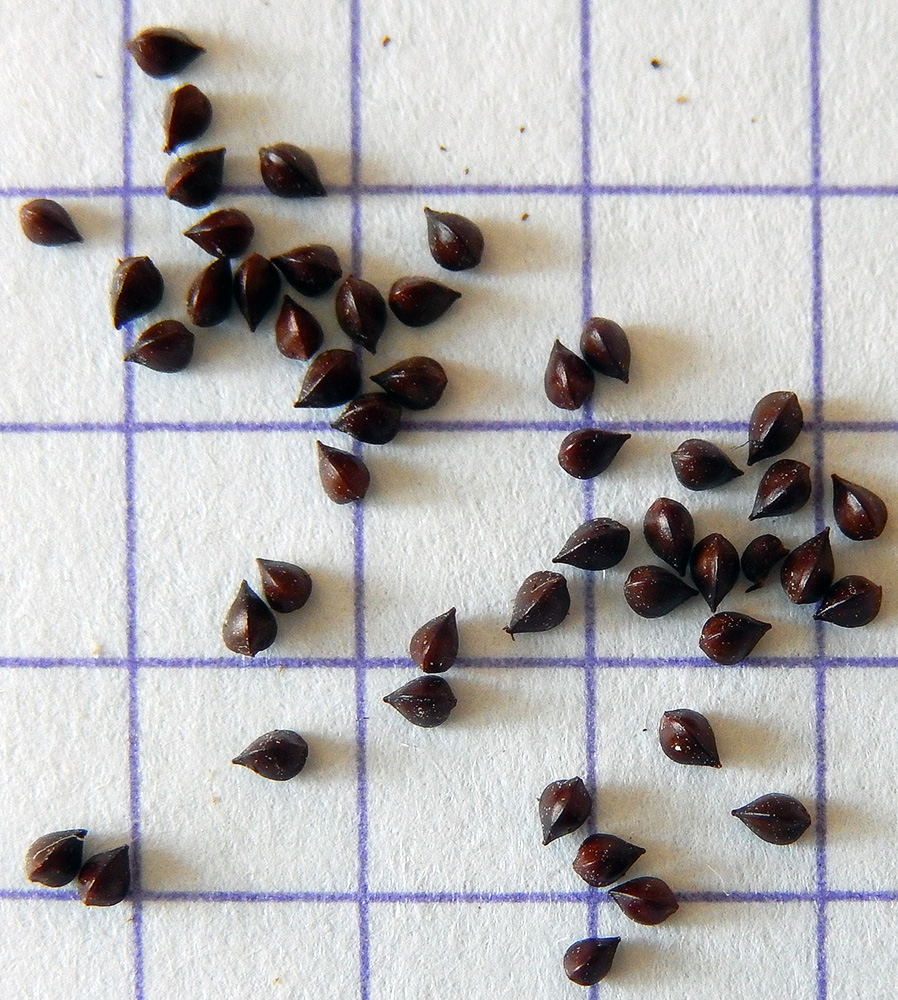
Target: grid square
x,y
860,948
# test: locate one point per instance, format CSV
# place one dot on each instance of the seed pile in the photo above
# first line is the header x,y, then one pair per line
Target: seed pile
x,y
55,860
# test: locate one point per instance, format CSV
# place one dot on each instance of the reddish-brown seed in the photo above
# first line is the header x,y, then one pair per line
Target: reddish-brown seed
x,y
55,859
587,962
701,465
344,476
455,242
137,289
542,602
297,333
195,180
686,737
373,417
568,380
105,879
587,453
564,806
596,545
670,532
166,346
224,233
729,637
603,859
808,571
850,602
606,348
361,312
417,383
211,294
434,646
760,556
653,592
331,379
286,587
776,818
187,115
311,270
249,626
784,488
417,301
646,900
47,223
775,423
162,52
426,701
257,284
714,566
279,755
859,512
290,172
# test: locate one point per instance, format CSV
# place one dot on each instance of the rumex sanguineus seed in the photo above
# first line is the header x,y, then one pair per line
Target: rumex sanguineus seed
x,y
760,556
249,626
808,570
587,962
187,115
606,348
290,172
568,380
47,223
426,701
850,602
776,818
714,566
297,332
541,603
311,270
775,424
653,592
162,52
257,284
603,859
344,476
195,180
211,295
588,452
373,417
729,636
598,544
105,878
279,755
166,346
434,646
361,312
55,859
686,737
286,587
784,488
670,532
137,288
646,900
701,465
859,512
456,243
417,301
564,806
417,383
332,378
224,233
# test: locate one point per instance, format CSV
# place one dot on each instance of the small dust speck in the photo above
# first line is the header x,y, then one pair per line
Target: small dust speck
x,y
385,41
754,119
682,99
526,215
657,64
523,128
214,799
467,170
443,148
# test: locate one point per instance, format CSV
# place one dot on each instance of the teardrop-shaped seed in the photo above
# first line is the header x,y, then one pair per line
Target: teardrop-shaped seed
x,y
760,556
784,488
249,627
646,900
417,301
653,592
105,879
257,284
776,818
331,379
279,755
290,172
372,417
542,602
224,233
187,115
859,512
311,270
596,545
162,52
426,701
670,532
166,346
687,737
137,289
55,859
434,646
603,859
47,223
211,294
587,962
568,380
417,383
701,465
455,242
344,476
808,571
564,806
850,602
729,637
606,348
361,312
286,587
588,452
297,333
715,568
775,423
195,180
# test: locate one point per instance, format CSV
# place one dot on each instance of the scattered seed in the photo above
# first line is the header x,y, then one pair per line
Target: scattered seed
x,y
166,346
670,532
542,602
729,637
701,465
564,806
647,900
606,348
776,818
656,63
373,417
344,477
195,180
249,627
417,383
361,312
426,701
105,878
137,289
587,962
211,294
715,568
760,556
278,755
257,284
331,379
289,172
434,646
784,488
417,301
187,115
297,333
55,859
311,270
775,423
225,233
596,545
568,379
859,512
456,243
808,571
588,452
850,602
653,592
687,738
603,859
286,587
47,223
162,52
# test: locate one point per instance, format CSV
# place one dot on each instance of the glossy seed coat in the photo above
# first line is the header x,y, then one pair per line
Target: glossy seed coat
x,y
311,270
297,333
596,545
701,465
166,346
587,453
850,602
224,233
55,859
776,818
279,755
686,737
606,348
568,380
653,592
859,512
729,637
290,172
344,477
646,900
249,626
137,289
670,532
257,285
564,806
776,421
162,52
455,242
195,180
808,571
105,879
46,223
714,566
784,488
373,417
285,586
417,301
603,859
587,962
187,115
417,383
361,312
542,602
332,378
426,701
211,295
434,646
760,556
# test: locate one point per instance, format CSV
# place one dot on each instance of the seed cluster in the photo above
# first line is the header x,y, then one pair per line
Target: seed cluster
x,y
55,860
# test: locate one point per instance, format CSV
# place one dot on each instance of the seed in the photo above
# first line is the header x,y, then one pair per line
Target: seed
x,y
211,294
687,737
568,380
434,646
187,115
344,476
541,603
289,172
47,223
808,571
670,532
606,348
163,52
105,878
603,859
137,288
784,489
700,465
249,627
361,312
296,331
256,287
564,806
728,637
859,512
715,568
166,346
588,452
587,962
55,858
417,383
775,423
425,701
311,270
372,417
598,544
760,556
653,592
286,587
278,755
776,818
455,242
195,180
647,900
850,602
225,233
332,378
417,301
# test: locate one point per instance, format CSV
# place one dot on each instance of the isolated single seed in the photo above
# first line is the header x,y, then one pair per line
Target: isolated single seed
x,y
417,301
605,347
166,346
687,738
542,602
195,180
701,465
653,592
297,333
603,859
344,477
361,312
162,52
455,242
587,962
249,627
279,755
332,378
434,646
784,488
137,289
596,545
224,233
646,900
859,512
417,383
47,223
729,637
426,701
714,566
311,270
850,602
760,556
286,587
373,417
187,115
568,380
256,288
670,532
587,453
55,859
808,571
564,806
211,294
290,172
776,818
105,879
775,423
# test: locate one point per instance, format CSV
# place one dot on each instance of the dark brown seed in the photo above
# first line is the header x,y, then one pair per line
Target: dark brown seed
x,y
417,301
541,603
568,379
776,818
344,476
456,243
187,115
417,383
715,568
434,646
296,331
278,755
728,637
55,859
331,379
311,270
606,348
425,701
700,465
225,233
760,556
373,417
286,587
775,423
256,287
784,489
653,592
859,512
587,962
808,571
137,289
211,294
598,544
850,602
687,737
289,172
195,180
670,532
587,453
47,223
166,346
361,312
645,900
249,627
564,806
105,878
161,52
604,858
